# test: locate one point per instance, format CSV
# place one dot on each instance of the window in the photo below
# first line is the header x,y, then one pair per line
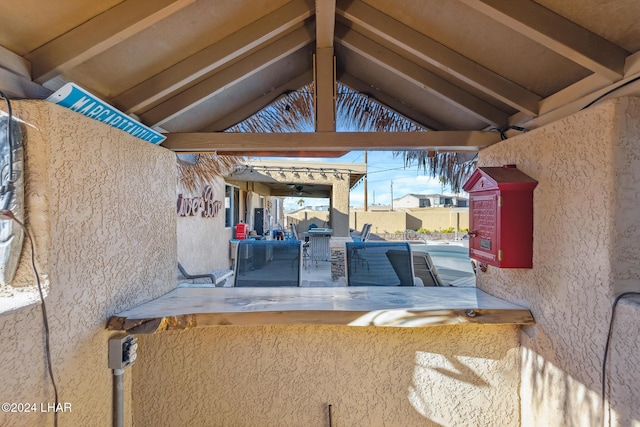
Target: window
x,y
231,205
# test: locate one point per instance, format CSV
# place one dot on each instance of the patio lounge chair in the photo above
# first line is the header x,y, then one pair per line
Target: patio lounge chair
x,y
268,263
196,276
217,277
424,268
361,236
380,264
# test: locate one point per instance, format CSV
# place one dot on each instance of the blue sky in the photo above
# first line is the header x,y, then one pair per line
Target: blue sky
x,y
383,169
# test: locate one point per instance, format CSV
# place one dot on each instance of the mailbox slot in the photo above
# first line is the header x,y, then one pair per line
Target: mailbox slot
x,y
501,216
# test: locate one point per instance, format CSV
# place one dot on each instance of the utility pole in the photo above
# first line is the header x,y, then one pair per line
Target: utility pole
x,y
391,195
365,182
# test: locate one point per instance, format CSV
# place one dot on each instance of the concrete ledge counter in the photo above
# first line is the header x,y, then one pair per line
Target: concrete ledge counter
x,y
186,308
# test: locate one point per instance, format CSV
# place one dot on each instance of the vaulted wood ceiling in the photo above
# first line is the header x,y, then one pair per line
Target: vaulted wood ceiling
x,y
457,67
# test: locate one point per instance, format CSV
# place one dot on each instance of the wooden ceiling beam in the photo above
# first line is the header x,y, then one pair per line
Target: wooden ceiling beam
x,y
581,95
16,86
14,63
329,141
99,34
231,75
420,77
141,97
327,154
556,33
325,90
15,77
423,48
324,67
325,23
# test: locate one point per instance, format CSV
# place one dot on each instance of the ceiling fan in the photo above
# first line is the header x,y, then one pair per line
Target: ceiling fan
x,y
298,189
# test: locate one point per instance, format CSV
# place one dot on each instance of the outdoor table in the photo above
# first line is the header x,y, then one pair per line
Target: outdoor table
x,y
186,308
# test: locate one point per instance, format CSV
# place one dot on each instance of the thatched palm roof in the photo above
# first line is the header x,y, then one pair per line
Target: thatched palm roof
x,y
294,112
193,176
355,111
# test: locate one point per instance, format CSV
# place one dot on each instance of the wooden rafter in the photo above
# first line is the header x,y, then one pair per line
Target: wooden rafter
x,y
99,34
139,98
423,48
420,77
239,71
556,33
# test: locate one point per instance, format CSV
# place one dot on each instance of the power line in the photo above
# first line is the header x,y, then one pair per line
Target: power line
x,y
386,170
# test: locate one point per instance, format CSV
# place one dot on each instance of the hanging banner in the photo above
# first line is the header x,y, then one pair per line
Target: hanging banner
x,y
79,100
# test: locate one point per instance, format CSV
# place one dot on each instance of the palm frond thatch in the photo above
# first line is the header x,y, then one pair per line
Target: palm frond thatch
x,y
292,112
193,176
444,166
355,111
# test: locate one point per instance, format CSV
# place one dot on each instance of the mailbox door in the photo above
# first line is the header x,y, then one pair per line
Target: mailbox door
x,y
483,227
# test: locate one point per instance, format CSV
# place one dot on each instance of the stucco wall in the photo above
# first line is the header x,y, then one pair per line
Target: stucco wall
x,y
303,219
586,234
203,243
436,219
287,375
102,207
340,208
432,219
382,222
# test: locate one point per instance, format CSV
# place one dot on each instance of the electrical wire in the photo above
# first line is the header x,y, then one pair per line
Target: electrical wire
x,y
8,215
503,131
609,92
606,349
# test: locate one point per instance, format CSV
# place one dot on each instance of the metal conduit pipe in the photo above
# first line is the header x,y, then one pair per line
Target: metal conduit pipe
x,y
118,398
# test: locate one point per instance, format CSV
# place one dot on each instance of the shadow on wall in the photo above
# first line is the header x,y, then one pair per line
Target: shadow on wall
x,y
545,386
467,389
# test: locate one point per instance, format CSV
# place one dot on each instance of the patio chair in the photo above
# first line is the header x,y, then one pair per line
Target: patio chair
x,y
363,235
268,263
217,277
186,275
424,268
380,264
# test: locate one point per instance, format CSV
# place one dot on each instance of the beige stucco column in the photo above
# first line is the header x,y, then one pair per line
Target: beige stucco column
x,y
340,208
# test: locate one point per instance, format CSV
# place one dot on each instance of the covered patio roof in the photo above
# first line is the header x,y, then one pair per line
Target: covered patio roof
x,y
472,71
300,179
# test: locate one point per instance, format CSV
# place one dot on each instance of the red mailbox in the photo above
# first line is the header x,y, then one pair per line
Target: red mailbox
x,y
241,231
501,216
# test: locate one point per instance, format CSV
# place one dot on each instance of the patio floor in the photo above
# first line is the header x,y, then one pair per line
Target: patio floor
x,y
318,275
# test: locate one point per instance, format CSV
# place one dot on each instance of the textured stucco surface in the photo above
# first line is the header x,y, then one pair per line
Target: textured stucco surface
x,y
433,219
102,207
287,375
586,234
203,243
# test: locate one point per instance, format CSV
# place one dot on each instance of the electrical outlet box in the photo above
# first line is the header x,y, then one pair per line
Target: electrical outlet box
x,y
122,351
